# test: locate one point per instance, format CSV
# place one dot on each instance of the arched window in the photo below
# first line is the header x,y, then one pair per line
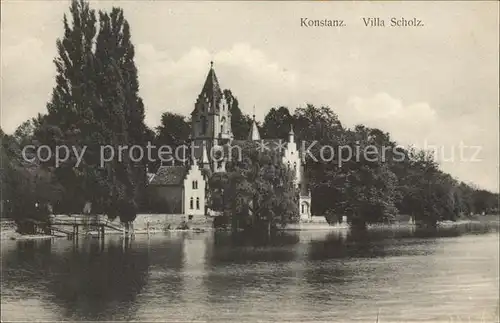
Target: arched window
x,y
204,125
197,203
191,203
222,124
302,208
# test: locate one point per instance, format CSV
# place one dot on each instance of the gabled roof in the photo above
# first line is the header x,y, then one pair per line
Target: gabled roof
x,y
170,175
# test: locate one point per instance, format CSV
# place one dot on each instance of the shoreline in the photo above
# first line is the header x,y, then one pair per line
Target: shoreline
x,y
311,226
9,233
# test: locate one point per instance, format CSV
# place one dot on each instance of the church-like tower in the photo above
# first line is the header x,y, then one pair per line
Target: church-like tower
x,y
211,130
211,121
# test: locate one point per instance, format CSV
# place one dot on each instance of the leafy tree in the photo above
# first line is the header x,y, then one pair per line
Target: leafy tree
x,y
427,193
316,128
258,190
174,131
319,124
277,123
70,117
27,187
73,96
362,187
25,132
484,201
114,46
96,102
120,111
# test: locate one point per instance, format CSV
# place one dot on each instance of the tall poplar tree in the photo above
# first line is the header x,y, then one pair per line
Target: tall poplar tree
x,y
121,112
240,123
70,111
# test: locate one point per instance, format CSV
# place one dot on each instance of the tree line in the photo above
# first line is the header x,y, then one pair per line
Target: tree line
x,y
366,190
96,101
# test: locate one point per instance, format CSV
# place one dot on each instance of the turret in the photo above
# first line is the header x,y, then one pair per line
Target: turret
x,y
254,130
204,160
291,138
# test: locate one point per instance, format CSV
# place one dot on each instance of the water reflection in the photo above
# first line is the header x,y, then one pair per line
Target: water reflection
x,y
336,275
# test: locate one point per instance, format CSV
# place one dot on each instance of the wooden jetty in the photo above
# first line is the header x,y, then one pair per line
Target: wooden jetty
x,y
61,224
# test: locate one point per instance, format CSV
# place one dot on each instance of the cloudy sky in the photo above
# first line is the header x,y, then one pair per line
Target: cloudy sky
x,y
433,85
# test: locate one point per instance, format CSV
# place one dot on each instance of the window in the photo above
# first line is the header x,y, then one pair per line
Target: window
x,y
197,203
294,165
302,208
222,124
195,185
204,125
191,204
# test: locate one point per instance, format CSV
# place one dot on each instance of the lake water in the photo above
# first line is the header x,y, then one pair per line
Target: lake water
x,y
447,275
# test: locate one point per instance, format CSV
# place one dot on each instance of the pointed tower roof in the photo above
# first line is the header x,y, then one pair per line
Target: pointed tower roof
x,y
254,131
205,162
211,87
291,135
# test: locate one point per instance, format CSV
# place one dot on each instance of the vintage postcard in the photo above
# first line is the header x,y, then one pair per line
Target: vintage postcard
x,y
267,161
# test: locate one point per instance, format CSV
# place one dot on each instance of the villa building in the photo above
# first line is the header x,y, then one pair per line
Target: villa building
x,y
178,190
211,130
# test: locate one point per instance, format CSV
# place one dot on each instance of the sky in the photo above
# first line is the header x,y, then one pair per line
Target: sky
x,y
433,87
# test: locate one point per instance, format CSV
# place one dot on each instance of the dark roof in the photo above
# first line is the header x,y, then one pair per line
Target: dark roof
x,y
169,175
211,88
